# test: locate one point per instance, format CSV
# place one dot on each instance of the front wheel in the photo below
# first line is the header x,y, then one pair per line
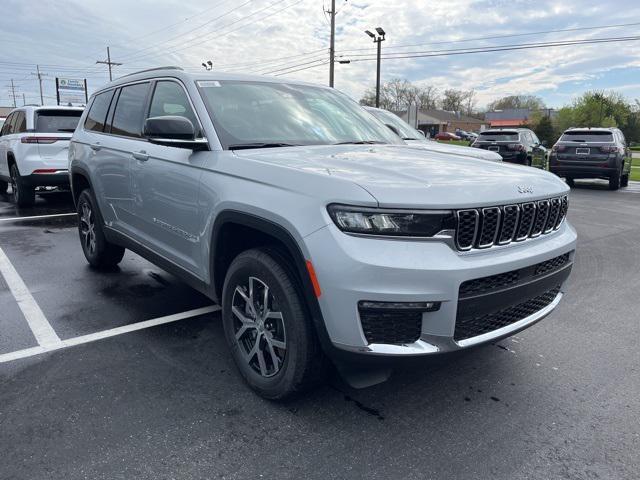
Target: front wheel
x,y
97,250
267,327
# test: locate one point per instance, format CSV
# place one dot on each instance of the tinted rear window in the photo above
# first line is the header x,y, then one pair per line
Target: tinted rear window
x,y
499,136
57,121
97,116
129,114
586,136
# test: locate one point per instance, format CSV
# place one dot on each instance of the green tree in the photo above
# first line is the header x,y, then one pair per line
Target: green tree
x,y
517,101
545,130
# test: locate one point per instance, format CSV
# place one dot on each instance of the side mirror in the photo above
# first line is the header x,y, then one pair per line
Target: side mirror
x,y
173,131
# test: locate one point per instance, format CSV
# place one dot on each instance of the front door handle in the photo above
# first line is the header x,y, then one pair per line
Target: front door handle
x,y
141,155
95,146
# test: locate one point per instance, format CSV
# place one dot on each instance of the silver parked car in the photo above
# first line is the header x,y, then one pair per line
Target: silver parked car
x,y
416,138
321,234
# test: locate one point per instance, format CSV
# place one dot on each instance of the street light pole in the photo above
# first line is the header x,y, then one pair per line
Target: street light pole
x,y
332,46
378,39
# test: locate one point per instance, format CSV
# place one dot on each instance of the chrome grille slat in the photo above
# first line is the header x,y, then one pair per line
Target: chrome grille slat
x,y
510,217
479,228
542,212
489,227
467,228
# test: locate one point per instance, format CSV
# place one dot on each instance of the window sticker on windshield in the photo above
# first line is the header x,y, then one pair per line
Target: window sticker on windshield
x,y
209,83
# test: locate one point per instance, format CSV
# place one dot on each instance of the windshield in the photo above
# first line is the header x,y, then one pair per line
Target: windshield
x,y
404,129
499,136
55,121
586,136
255,114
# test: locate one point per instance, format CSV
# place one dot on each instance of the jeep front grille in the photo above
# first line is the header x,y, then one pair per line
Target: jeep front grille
x,y
501,225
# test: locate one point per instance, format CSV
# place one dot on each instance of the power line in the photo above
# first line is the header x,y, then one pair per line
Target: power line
x,y
525,46
493,37
303,68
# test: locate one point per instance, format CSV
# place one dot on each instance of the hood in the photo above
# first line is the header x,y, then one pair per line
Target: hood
x,y
404,176
455,149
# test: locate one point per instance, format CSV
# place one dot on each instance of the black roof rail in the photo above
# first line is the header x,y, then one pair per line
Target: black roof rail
x,y
169,67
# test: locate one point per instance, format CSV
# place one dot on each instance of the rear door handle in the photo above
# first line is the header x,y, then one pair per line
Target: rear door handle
x,y
141,155
95,146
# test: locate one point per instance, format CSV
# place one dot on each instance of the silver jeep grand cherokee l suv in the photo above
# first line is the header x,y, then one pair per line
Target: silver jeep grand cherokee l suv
x,y
318,231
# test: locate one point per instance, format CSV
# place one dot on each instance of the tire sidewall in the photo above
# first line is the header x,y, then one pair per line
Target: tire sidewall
x,y
261,265
86,196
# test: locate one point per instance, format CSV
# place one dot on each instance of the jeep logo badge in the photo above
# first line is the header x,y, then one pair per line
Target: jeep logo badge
x,y
525,189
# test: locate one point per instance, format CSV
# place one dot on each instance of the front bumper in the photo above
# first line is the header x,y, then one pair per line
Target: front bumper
x,y
351,269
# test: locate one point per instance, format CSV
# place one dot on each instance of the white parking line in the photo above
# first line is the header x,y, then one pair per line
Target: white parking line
x,y
36,217
41,328
92,337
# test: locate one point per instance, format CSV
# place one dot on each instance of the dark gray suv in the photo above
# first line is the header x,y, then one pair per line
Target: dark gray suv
x,y
592,153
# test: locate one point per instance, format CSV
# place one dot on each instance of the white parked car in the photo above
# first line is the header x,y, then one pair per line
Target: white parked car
x,y
416,138
34,146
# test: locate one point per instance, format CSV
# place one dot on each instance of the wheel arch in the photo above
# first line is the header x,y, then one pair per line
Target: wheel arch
x,y
225,245
79,181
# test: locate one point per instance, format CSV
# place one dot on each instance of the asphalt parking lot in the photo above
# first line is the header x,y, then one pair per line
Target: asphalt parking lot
x,y
111,399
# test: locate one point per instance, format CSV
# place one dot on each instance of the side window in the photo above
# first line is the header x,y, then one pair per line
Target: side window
x,y
21,123
97,116
622,139
6,128
129,113
535,138
169,98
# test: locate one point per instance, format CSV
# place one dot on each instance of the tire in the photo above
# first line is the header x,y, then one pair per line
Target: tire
x,y
24,195
615,180
624,181
3,186
97,250
571,182
287,359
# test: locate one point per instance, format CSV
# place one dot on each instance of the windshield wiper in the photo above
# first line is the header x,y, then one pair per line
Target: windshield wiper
x,y
360,142
244,146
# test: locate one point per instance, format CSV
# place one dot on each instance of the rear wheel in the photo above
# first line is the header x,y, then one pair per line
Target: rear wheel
x,y
624,182
23,194
97,250
615,180
267,327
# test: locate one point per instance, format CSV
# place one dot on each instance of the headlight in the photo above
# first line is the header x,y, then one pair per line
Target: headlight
x,y
375,221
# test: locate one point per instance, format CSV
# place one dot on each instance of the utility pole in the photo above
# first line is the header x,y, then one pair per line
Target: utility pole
x,y
39,75
332,46
13,93
24,100
109,63
378,39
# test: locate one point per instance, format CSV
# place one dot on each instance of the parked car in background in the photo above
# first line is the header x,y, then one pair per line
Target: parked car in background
x,y
515,145
463,134
34,145
446,136
320,233
592,153
417,139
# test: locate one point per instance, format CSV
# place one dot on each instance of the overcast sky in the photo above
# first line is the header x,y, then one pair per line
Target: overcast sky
x,y
281,36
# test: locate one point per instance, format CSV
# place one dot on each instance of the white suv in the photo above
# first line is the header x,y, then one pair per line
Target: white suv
x,y
34,144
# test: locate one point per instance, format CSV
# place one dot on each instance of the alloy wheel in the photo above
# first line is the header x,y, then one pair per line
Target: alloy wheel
x,y
258,327
88,229
14,185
